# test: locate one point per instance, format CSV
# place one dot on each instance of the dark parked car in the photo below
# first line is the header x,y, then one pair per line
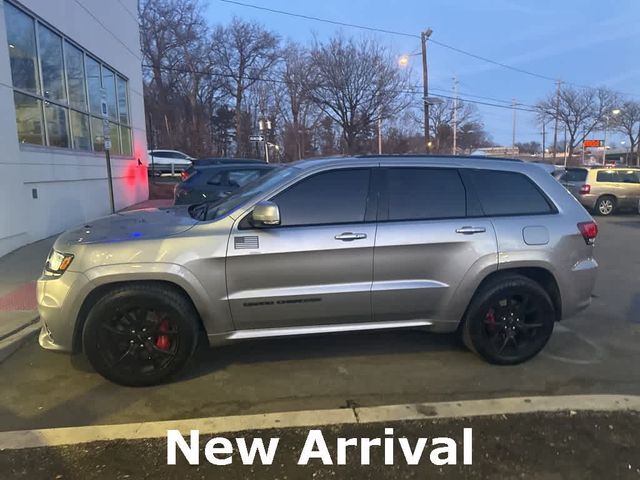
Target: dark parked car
x,y
205,162
210,182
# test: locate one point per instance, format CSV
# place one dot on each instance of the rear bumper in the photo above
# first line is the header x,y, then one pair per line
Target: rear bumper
x,y
588,200
579,287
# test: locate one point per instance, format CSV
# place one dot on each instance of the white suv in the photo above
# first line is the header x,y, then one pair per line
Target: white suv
x,y
168,161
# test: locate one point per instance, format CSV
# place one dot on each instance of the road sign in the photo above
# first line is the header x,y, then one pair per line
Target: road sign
x,y
107,144
593,143
256,138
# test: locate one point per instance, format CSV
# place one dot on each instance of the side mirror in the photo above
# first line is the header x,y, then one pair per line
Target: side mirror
x,y
265,214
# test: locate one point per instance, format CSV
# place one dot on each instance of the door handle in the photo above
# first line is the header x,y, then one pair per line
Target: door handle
x,y
470,230
348,236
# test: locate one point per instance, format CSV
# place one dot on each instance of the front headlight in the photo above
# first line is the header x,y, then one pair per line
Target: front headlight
x,y
57,263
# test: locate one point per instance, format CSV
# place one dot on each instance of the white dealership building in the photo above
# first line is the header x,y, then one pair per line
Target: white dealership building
x,y
70,78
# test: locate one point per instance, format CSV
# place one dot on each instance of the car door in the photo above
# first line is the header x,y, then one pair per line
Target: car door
x,y
316,267
425,245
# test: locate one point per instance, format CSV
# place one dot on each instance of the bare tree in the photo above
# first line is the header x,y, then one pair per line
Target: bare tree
x,y
173,38
355,83
579,110
441,122
300,113
627,122
246,53
530,148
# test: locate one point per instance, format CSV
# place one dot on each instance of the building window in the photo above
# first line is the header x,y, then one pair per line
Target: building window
x,y
29,119
51,64
59,88
74,63
21,36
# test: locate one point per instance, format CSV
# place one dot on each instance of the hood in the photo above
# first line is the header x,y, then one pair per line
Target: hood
x,y
131,226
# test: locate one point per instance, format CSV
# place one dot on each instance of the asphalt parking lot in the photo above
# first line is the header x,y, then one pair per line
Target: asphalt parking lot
x,y
595,352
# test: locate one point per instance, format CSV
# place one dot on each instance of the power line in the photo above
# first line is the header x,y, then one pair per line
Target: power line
x,y
131,14
411,35
116,37
325,20
493,99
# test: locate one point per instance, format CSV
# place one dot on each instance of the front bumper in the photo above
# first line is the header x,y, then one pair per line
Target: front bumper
x,y
59,301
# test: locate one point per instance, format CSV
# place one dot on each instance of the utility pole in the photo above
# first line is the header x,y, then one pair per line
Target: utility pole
x,y
379,129
566,149
544,139
424,36
584,135
555,127
513,134
455,115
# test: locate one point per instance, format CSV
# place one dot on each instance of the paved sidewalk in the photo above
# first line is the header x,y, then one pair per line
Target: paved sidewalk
x,y
22,267
560,445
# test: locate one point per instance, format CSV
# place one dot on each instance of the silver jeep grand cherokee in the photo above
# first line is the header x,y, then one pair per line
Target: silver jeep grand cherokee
x,y
497,250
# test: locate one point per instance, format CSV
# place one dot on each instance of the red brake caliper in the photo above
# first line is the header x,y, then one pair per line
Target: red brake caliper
x,y
490,319
162,341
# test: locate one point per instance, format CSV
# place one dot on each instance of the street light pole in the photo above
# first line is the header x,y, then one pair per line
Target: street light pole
x,y
424,36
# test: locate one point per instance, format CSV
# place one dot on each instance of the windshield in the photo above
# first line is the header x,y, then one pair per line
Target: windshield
x,y
212,210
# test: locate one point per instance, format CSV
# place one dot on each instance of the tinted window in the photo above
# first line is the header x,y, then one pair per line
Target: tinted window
x,y
631,176
216,179
618,176
339,196
508,193
163,154
608,176
239,178
423,193
575,175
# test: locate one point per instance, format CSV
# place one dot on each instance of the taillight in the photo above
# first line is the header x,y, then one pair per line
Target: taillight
x,y
184,175
586,188
589,231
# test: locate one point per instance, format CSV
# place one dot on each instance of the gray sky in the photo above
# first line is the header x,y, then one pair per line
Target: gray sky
x,y
588,42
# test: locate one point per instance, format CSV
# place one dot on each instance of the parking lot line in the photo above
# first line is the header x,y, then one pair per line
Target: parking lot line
x,y
314,418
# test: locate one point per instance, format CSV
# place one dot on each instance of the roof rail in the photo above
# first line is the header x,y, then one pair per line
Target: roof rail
x,y
435,155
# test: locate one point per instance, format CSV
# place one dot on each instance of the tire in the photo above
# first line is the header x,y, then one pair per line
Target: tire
x,y
489,320
605,205
140,334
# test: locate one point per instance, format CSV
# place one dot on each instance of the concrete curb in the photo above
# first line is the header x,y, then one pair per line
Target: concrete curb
x,y
314,418
12,340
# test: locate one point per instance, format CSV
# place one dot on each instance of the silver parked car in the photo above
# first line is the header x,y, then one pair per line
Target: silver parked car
x,y
497,250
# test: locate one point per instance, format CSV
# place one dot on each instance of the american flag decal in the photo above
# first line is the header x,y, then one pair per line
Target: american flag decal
x,y
249,242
